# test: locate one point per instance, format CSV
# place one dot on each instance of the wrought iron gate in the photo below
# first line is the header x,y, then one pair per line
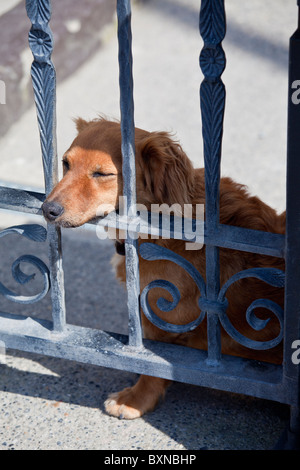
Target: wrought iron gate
x,y
206,368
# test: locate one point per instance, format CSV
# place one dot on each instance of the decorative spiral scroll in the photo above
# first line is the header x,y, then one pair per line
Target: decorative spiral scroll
x,y
44,81
274,277
33,232
36,233
152,252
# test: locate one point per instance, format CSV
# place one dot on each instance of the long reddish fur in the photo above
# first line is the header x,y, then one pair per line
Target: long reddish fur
x,y
164,174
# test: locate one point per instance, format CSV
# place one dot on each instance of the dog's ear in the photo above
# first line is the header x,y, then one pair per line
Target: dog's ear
x,y
81,124
168,174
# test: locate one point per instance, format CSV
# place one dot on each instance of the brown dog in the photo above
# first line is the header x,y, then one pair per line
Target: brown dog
x,y
164,174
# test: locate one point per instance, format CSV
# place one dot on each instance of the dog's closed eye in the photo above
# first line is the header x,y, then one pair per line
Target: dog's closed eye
x,y
66,165
98,174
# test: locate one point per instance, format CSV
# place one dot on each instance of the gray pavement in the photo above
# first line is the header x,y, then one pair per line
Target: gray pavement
x,y
47,403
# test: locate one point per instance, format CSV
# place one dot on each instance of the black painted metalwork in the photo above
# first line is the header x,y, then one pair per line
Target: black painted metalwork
x,y
292,294
210,369
36,233
44,86
153,252
128,153
212,95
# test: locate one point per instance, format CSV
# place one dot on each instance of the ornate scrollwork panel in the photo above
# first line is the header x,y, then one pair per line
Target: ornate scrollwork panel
x,y
274,277
152,252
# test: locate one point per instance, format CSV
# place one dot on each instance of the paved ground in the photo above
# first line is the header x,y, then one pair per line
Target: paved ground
x,y
51,404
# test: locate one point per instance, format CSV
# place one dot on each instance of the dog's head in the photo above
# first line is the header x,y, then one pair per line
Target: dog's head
x,y
92,173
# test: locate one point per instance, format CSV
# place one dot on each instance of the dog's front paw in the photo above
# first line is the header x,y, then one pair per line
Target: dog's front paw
x,y
122,405
134,401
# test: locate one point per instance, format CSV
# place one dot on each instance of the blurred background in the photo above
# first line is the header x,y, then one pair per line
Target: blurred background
x,y
166,47
46,403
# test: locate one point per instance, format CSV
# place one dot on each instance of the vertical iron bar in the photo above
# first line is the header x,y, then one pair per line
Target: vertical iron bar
x,y
129,178
292,292
212,27
44,86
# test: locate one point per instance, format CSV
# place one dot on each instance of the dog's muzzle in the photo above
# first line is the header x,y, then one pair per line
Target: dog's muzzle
x,y
52,210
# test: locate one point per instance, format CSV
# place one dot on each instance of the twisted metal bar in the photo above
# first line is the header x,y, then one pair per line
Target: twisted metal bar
x,y
36,233
128,153
212,95
44,83
273,277
44,86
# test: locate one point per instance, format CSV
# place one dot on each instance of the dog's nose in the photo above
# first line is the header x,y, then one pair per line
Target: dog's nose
x,y
52,210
